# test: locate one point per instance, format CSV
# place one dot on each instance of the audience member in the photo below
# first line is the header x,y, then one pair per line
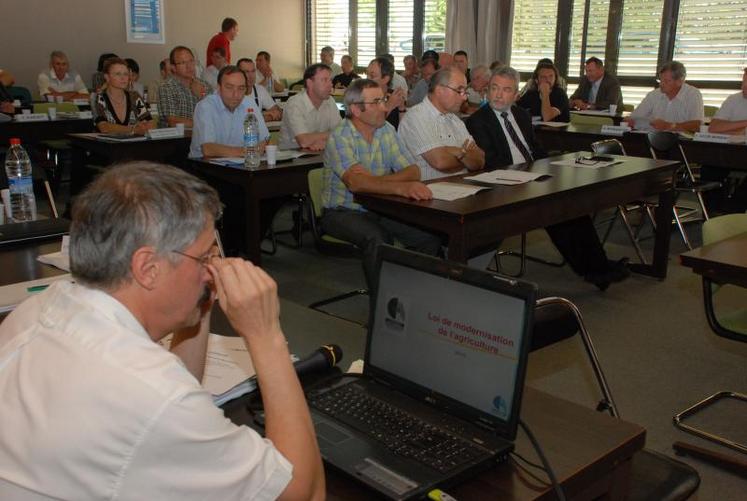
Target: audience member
x,y
219,118
531,84
731,118
98,80
327,56
135,76
412,72
398,81
496,64
216,63
428,67
365,155
598,89
504,131
674,106
179,94
433,132
380,70
342,81
6,100
268,80
59,80
478,88
262,99
309,116
164,71
229,29
461,61
119,109
546,98
131,418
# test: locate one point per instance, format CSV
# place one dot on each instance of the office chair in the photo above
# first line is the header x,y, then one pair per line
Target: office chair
x,y
729,324
664,144
653,476
20,93
327,244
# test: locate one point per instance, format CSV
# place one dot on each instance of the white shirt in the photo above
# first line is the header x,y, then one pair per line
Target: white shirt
x,y
516,156
399,82
94,409
734,108
71,82
265,99
425,128
210,75
300,116
687,105
595,90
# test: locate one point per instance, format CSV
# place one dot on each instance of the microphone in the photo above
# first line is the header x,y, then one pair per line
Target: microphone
x,y
324,358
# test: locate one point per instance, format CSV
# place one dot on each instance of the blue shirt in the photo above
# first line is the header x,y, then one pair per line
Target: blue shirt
x,y
214,123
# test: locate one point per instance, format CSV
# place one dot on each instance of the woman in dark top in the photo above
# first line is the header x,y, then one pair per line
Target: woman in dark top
x,y
381,71
547,98
119,110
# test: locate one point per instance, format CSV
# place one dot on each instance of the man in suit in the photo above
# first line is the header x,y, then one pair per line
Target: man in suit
x,y
510,140
598,89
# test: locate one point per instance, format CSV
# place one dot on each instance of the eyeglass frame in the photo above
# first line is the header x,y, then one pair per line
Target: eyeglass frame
x,y
378,101
462,92
204,260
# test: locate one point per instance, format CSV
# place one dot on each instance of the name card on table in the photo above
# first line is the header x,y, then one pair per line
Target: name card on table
x,y
615,130
164,133
81,102
31,117
710,137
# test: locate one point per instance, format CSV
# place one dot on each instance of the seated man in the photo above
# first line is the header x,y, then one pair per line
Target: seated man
x,y
342,81
364,155
436,137
219,118
505,132
412,72
182,90
546,98
59,80
731,117
461,61
598,89
309,116
6,100
427,68
268,79
164,71
478,89
381,70
257,93
216,63
674,106
327,56
398,81
106,411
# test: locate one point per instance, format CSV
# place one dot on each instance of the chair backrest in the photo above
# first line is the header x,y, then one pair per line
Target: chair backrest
x,y
60,107
709,111
666,144
20,93
579,119
628,107
314,178
608,147
723,227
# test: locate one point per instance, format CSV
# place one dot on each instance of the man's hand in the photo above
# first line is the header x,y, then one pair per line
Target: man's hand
x,y
579,104
396,99
248,296
142,127
415,190
197,88
7,107
273,114
659,124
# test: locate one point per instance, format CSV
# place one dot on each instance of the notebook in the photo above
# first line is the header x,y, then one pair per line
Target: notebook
x,y
446,356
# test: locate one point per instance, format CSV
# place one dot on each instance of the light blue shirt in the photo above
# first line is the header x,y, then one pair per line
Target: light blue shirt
x,y
214,123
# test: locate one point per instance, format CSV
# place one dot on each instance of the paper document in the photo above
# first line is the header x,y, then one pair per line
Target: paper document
x,y
453,191
12,295
227,363
553,124
597,113
56,259
280,156
588,164
507,177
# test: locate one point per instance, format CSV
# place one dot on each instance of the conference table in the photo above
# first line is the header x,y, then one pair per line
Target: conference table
x,y
93,149
723,262
263,191
35,132
476,224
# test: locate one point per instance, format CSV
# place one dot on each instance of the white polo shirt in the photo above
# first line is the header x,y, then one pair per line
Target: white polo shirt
x,y
71,82
733,109
300,116
687,105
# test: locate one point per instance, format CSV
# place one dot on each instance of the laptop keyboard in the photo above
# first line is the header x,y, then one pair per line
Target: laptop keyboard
x,y
400,432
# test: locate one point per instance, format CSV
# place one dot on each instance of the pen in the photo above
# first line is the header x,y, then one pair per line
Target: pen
x,y
36,288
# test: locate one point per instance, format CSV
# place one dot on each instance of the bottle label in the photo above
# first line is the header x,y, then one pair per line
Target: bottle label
x,y
21,184
251,139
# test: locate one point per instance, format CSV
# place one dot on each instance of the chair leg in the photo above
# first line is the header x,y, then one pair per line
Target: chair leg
x,y
631,234
611,225
679,419
681,228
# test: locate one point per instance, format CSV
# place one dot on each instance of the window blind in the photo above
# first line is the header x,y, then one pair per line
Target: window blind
x,y
596,37
330,22
639,37
366,32
533,36
401,23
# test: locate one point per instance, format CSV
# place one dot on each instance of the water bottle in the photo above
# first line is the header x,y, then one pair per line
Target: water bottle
x,y
20,183
251,140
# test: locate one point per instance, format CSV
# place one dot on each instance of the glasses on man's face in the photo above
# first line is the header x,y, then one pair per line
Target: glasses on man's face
x,y
462,91
191,62
205,259
378,101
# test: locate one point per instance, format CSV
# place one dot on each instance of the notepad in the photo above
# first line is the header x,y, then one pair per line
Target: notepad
x,y
506,177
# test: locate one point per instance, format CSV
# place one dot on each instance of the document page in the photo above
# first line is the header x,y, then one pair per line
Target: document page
x,y
453,191
508,177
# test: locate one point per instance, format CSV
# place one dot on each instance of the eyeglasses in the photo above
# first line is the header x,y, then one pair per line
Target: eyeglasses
x,y
203,260
377,101
190,62
462,91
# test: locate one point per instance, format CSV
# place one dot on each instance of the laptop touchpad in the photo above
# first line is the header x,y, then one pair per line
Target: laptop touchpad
x,y
330,433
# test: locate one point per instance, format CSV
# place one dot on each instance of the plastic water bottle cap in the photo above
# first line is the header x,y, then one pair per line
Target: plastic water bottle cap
x,y
15,140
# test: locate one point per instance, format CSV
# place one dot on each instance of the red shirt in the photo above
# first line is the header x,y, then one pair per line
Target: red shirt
x,y
218,40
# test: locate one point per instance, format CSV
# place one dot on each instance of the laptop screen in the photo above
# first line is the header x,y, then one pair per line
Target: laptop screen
x,y
452,336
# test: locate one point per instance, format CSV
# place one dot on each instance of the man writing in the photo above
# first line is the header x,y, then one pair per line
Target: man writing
x,y
257,93
364,155
310,115
106,411
435,135
179,94
598,89
504,131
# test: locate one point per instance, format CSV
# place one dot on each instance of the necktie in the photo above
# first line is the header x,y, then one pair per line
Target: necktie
x,y
515,137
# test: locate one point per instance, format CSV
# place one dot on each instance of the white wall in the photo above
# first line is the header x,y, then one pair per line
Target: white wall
x,y
84,29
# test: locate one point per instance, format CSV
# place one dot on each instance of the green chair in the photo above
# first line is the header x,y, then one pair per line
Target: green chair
x,y
581,119
61,107
628,107
709,111
727,315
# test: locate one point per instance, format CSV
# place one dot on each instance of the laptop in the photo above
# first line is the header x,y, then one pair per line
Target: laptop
x,y
441,389
39,229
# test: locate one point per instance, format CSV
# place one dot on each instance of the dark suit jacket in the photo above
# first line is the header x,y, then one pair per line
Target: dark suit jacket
x,y
609,92
487,132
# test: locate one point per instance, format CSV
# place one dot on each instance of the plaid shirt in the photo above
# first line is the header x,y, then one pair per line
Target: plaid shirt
x,y
346,147
176,100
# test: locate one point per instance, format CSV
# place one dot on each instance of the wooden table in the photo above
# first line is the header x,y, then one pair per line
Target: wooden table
x,y
477,224
34,132
258,185
89,149
723,262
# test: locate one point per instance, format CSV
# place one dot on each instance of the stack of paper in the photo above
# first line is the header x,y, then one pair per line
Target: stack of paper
x,y
507,177
453,191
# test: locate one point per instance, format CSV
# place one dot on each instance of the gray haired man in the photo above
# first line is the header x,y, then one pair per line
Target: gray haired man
x,y
98,408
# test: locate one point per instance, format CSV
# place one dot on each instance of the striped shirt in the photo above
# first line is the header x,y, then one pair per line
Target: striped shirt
x,y
347,147
176,100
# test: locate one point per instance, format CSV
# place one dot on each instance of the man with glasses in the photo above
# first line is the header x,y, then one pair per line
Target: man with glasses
x,y
435,135
182,90
257,93
365,155
99,409
674,106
